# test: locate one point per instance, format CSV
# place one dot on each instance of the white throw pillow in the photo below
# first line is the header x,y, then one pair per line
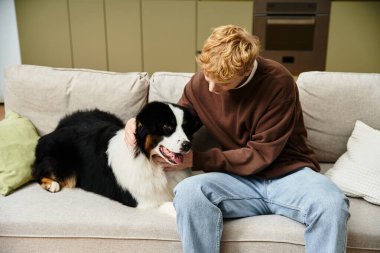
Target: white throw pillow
x,y
357,172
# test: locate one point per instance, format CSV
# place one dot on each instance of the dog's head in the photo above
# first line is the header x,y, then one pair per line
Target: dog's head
x,y
164,129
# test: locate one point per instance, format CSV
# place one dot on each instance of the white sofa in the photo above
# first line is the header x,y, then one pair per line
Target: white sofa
x,y
33,220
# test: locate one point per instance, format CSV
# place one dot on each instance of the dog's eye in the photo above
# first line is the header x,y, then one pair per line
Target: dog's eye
x,y
167,128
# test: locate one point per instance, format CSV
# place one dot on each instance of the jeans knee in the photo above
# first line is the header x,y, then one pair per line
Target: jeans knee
x,y
186,192
335,207
195,191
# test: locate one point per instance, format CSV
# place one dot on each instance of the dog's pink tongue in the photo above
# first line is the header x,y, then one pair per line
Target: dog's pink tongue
x,y
178,158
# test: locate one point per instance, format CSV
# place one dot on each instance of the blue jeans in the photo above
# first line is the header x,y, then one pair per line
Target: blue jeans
x,y
306,196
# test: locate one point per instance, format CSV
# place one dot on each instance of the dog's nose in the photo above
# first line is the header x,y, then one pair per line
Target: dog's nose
x,y
186,146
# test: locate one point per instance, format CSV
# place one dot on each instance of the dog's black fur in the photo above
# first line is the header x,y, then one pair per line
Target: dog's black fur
x,y
79,144
77,148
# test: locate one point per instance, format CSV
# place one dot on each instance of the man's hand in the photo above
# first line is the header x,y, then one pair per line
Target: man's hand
x,y
187,162
130,130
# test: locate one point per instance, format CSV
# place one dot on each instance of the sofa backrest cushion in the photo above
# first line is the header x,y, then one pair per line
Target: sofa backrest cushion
x,y
331,103
167,86
45,94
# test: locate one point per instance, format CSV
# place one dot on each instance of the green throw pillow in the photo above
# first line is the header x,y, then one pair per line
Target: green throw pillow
x,y
18,139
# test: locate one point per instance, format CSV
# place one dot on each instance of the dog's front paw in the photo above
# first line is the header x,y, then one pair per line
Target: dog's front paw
x,y
168,209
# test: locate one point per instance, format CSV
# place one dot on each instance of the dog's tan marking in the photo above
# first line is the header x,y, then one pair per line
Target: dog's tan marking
x,y
71,182
149,142
50,185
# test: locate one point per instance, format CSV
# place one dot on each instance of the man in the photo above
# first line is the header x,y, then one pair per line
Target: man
x,y
251,106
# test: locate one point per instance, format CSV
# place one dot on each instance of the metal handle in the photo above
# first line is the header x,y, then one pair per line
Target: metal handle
x,y
291,21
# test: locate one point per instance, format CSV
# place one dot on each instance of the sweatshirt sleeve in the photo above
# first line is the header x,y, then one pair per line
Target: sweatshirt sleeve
x,y
187,94
185,101
268,140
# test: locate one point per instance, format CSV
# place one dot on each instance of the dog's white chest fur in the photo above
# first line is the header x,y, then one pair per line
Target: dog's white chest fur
x,y
146,181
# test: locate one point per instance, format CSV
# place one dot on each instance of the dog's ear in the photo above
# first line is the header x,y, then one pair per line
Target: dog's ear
x,y
145,140
150,116
191,122
146,125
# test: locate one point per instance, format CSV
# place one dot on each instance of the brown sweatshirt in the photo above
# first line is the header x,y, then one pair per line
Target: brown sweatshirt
x,y
259,126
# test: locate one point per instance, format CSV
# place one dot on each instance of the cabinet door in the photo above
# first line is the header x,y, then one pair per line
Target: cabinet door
x,y
44,32
88,34
354,37
169,35
123,24
212,14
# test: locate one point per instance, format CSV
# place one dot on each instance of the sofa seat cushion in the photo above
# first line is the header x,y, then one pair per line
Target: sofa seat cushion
x,y
325,167
44,94
81,218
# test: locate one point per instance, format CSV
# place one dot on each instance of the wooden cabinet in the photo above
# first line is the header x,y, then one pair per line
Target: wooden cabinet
x,y
44,32
354,37
88,34
122,35
169,35
164,35
124,40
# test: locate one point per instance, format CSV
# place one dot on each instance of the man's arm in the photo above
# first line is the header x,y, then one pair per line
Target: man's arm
x,y
271,135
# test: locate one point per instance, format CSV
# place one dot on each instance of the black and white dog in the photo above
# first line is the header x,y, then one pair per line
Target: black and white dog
x,y
87,150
